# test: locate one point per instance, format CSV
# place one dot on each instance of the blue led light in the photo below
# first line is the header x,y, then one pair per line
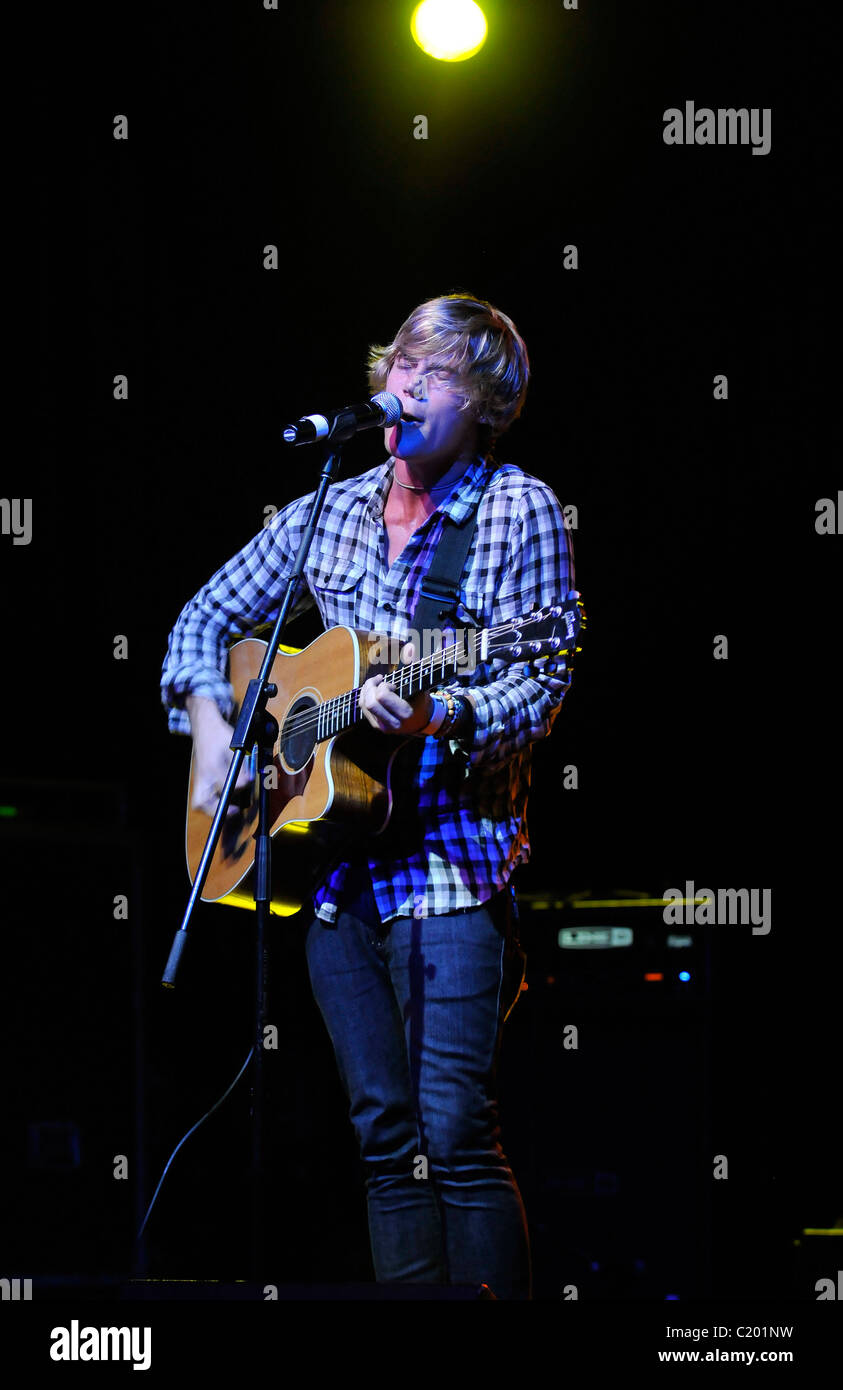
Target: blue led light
x,y
684,975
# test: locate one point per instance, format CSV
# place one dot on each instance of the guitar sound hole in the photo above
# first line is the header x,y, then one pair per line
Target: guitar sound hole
x,y
298,733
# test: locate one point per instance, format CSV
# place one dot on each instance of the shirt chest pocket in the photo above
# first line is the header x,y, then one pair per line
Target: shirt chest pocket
x,y
336,588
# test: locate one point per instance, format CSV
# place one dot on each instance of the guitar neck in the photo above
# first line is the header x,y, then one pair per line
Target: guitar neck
x,y
343,711
536,636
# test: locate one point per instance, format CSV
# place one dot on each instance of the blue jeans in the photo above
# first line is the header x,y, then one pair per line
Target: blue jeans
x,y
415,1010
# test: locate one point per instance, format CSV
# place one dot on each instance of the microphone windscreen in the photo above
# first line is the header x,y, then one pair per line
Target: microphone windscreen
x,y
390,405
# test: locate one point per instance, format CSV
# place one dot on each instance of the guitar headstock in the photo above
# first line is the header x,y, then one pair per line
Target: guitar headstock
x,y
544,634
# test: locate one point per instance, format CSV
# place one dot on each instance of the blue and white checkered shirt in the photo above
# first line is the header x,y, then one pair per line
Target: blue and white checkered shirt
x,y
469,804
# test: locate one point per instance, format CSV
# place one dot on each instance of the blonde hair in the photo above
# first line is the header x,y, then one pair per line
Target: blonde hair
x,y
475,340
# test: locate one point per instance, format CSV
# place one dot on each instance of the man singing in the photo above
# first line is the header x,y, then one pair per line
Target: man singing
x,y
411,944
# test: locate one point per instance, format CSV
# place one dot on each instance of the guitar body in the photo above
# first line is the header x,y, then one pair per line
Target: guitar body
x,y
343,779
330,765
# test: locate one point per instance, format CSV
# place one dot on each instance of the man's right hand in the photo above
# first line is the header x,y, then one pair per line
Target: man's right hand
x,y
211,755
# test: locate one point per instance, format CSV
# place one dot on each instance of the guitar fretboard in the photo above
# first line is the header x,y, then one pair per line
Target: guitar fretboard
x,y
342,711
535,636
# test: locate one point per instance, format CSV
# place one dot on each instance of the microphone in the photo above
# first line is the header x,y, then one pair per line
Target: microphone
x,y
338,425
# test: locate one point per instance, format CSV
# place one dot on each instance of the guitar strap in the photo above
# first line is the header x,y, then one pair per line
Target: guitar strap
x,y
440,589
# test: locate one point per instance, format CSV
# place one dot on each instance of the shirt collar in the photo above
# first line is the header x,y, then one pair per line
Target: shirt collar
x,y
460,500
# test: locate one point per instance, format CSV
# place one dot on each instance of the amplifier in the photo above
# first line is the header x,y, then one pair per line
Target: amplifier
x,y
605,1097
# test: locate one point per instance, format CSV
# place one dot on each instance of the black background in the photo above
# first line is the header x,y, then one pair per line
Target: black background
x,y
696,518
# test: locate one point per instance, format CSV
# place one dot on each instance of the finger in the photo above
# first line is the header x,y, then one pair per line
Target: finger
x,y
375,697
208,806
386,722
408,653
366,704
387,712
391,704
367,691
203,796
369,714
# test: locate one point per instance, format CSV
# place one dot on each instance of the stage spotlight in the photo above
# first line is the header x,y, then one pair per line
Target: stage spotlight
x,y
449,29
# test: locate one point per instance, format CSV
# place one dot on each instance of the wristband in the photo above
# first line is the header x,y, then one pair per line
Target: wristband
x,y
436,719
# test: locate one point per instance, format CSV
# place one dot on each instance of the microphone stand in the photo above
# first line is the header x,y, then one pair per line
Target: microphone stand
x,y
256,726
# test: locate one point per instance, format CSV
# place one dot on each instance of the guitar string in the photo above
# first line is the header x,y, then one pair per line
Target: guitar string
x,y
345,704
342,704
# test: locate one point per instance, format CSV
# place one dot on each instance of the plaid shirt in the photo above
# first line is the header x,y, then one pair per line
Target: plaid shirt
x,y
469,802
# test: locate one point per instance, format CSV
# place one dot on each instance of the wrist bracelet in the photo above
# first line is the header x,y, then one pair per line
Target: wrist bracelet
x,y
438,718
449,719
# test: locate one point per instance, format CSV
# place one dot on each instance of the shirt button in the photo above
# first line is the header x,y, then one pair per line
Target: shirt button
x,y
389,608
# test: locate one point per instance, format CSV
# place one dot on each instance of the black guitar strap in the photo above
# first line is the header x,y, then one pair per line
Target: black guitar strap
x,y
440,589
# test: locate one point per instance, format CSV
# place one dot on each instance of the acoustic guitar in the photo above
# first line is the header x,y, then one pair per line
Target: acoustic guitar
x,y
330,766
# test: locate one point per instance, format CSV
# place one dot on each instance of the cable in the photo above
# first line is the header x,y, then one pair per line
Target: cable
x,y
208,1113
